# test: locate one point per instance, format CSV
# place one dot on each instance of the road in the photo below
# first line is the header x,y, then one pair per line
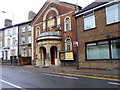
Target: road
x,y
14,78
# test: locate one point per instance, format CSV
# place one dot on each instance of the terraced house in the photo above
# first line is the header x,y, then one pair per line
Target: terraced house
x,y
1,44
53,34
99,35
9,41
25,42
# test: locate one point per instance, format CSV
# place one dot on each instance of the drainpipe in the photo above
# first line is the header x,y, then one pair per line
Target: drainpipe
x,y
77,58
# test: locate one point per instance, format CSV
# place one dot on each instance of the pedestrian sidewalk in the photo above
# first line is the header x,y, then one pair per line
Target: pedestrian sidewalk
x,y
70,70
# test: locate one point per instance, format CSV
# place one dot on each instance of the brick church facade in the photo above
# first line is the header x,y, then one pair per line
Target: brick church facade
x,y
54,31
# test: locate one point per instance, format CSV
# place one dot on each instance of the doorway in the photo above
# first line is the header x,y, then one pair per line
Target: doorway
x,y
53,52
43,54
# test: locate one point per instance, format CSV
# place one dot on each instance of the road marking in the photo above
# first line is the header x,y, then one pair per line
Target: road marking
x,y
103,78
95,77
60,76
16,86
114,83
25,71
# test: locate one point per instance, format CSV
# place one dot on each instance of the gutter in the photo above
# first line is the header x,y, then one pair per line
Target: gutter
x,y
97,7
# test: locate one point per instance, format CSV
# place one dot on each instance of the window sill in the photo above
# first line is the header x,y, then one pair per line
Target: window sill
x,y
112,23
67,31
90,29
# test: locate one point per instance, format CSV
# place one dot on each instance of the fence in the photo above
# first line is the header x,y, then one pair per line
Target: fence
x,y
17,61
25,60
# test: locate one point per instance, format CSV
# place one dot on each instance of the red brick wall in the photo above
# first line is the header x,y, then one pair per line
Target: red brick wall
x,y
99,33
71,34
62,9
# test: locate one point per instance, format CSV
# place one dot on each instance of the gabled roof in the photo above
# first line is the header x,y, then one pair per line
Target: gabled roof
x,y
94,4
53,1
15,25
71,4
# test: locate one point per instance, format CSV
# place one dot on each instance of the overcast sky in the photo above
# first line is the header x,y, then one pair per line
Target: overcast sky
x,y
20,8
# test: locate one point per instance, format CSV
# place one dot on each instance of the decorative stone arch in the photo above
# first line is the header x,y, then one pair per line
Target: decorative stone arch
x,y
52,8
45,15
53,52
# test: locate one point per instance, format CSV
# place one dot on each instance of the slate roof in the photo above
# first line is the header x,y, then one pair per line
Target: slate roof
x,y
15,25
94,4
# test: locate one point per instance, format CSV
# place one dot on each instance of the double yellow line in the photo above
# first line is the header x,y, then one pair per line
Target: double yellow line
x,y
76,75
86,76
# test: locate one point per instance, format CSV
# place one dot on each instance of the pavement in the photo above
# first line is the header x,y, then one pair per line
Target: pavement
x,y
114,74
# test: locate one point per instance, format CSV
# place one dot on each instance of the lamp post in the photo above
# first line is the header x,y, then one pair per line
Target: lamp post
x,y
13,53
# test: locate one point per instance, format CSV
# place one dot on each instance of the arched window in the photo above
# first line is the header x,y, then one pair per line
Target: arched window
x,y
68,44
51,21
37,31
67,24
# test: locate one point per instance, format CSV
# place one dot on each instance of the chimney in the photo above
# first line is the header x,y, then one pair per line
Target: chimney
x,y
7,22
31,15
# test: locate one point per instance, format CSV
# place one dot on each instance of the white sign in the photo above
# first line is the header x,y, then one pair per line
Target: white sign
x,y
75,43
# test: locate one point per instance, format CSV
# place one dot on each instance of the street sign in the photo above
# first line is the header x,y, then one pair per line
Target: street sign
x,y
75,44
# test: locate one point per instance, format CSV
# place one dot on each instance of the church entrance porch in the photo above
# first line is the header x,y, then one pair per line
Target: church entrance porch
x,y
48,53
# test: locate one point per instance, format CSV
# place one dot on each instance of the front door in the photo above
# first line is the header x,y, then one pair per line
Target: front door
x,y
53,54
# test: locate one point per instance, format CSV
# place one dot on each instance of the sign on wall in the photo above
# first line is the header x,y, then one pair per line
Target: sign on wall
x,y
75,44
67,55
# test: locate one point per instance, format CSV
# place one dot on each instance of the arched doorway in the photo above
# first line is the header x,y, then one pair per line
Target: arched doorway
x,y
53,52
43,55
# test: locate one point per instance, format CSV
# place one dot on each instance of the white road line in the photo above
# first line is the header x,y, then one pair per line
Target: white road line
x,y
60,76
16,86
114,83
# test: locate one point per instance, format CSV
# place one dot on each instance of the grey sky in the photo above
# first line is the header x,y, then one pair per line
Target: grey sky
x,y
20,8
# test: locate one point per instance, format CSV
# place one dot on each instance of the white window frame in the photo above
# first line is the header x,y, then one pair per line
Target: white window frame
x,y
65,29
29,39
30,50
14,31
23,40
24,52
1,34
14,41
8,32
115,16
23,29
92,23
29,28
8,42
0,43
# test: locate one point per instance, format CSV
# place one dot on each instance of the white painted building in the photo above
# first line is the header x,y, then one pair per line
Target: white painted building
x,y
10,42
1,43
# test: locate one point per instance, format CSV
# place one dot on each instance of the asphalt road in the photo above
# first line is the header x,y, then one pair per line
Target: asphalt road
x,y
13,78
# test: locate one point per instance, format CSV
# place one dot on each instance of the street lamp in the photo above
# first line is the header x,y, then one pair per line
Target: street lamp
x,y
13,53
